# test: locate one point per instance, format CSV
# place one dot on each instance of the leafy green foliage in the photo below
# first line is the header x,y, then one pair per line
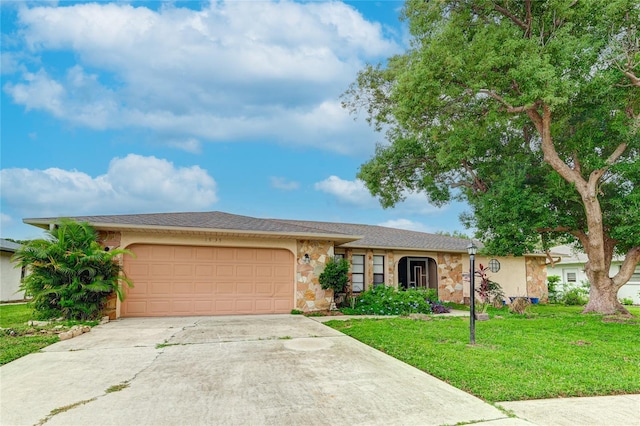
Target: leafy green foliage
x,y
70,273
335,275
551,352
385,300
552,288
527,111
575,296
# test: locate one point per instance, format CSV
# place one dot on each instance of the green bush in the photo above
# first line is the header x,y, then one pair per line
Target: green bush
x,y
552,286
575,296
70,273
626,301
384,300
335,275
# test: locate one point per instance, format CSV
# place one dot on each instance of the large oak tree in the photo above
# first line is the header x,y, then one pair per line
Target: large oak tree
x,y
529,111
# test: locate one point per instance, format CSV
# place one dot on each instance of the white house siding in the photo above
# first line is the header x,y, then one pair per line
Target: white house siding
x,y
567,270
9,279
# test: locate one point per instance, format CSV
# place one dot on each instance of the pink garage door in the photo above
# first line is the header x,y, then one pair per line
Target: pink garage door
x,y
190,280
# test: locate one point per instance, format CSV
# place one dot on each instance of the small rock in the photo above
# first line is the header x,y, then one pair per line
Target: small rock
x,y
86,329
104,320
33,322
76,331
66,335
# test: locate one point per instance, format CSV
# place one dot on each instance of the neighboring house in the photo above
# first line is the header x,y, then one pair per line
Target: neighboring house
x,y
10,276
570,269
216,263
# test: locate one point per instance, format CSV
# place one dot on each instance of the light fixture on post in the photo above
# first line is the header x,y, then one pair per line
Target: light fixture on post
x,y
472,250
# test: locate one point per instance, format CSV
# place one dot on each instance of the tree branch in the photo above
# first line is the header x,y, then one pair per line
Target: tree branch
x,y
513,17
510,108
628,267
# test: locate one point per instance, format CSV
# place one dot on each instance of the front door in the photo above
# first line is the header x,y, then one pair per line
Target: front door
x,y
417,272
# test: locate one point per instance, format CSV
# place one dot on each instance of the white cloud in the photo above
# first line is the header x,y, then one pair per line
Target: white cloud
x,y
229,71
191,145
131,184
408,225
284,184
355,192
352,192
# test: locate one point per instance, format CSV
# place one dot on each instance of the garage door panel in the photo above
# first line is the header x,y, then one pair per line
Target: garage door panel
x,y
191,280
205,253
182,307
263,271
160,270
183,289
225,288
245,255
244,271
203,288
183,253
162,252
224,271
202,271
183,270
264,289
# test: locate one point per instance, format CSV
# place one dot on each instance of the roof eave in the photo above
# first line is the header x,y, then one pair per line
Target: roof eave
x,y
338,238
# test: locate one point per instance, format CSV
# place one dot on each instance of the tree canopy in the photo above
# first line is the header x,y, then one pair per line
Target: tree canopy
x,y
529,111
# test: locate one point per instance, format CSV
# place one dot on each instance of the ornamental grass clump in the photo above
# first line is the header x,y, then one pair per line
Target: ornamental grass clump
x,y
383,300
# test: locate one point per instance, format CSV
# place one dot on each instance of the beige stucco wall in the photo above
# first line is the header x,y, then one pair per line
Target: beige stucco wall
x,y
10,279
518,276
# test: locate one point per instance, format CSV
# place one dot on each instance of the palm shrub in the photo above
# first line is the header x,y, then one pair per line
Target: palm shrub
x,y
71,275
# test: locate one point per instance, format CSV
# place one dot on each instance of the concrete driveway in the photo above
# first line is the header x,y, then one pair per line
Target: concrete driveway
x,y
241,370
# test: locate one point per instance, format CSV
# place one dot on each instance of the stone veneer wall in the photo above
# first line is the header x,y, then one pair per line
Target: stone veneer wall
x,y
110,239
391,268
309,295
537,278
450,288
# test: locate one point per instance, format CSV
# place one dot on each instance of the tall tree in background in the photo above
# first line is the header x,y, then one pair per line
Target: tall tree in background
x,y
530,112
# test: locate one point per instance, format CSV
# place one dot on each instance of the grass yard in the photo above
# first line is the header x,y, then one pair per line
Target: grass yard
x,y
551,352
17,339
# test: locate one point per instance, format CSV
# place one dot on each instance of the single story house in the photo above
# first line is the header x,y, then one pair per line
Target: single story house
x,y
216,263
570,269
10,276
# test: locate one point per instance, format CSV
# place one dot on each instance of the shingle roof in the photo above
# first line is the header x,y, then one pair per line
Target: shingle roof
x,y
383,237
346,234
10,246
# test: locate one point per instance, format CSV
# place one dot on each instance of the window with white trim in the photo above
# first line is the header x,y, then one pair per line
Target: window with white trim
x,y
357,273
378,270
570,275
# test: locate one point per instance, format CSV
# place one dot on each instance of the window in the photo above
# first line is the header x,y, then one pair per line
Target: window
x,y
357,273
570,275
338,257
378,270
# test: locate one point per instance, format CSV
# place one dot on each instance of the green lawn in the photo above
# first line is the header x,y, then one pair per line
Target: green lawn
x,y
554,351
13,341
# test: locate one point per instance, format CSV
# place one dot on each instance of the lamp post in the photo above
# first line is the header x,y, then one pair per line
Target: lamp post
x,y
472,250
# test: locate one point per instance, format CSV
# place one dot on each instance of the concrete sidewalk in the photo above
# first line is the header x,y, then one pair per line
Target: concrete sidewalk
x,y
252,370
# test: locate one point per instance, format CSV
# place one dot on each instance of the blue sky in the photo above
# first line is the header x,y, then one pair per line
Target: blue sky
x,y
145,107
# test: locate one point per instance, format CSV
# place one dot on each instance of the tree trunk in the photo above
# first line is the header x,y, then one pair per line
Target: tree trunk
x,y
603,295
